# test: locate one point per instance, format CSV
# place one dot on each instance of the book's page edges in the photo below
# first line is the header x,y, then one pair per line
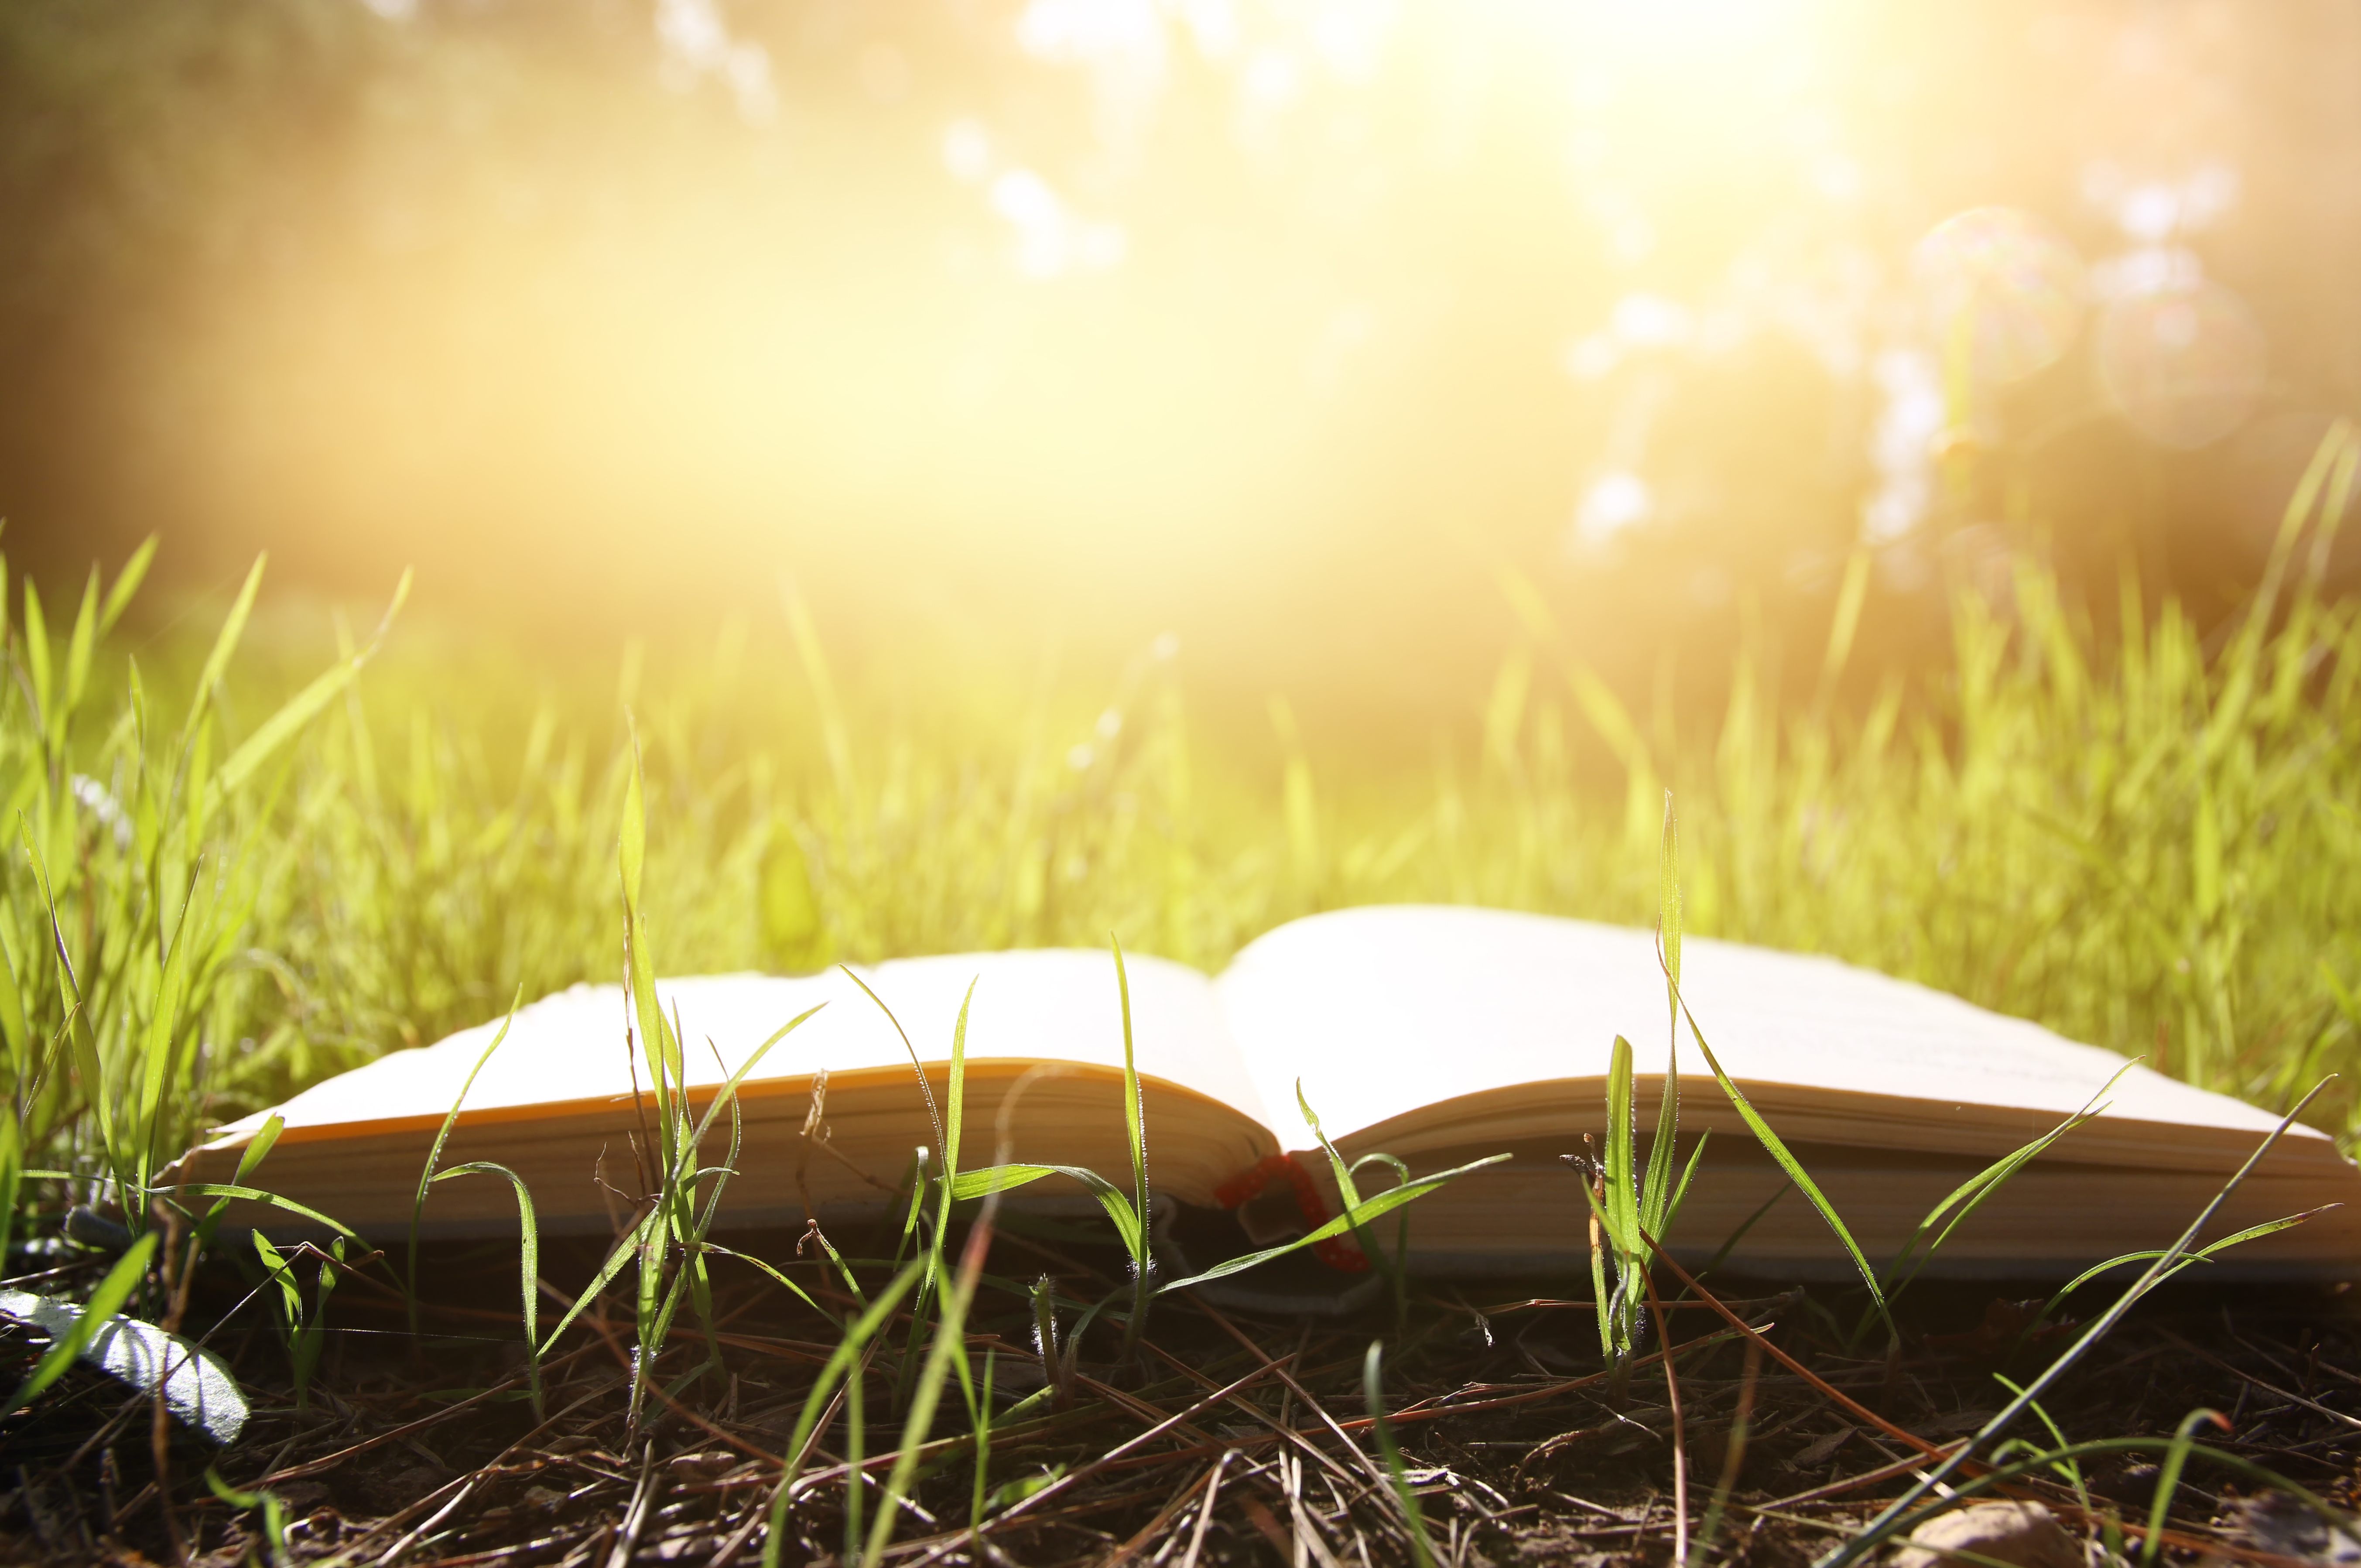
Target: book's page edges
x,y
1051,1005
1388,1010
582,1164
1559,1111
983,1074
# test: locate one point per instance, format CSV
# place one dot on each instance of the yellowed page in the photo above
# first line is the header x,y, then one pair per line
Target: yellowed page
x,y
1045,1005
1389,1011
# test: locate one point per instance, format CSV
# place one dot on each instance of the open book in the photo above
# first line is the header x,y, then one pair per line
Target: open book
x,y
1437,1035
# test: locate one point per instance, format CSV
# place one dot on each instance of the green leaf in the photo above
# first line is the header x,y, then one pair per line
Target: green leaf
x,y
1971,1193
1346,1187
165,1018
926,1090
2168,1479
1668,901
633,850
1897,1512
2201,1255
1656,1186
656,1042
1672,1214
955,1089
1850,596
840,1362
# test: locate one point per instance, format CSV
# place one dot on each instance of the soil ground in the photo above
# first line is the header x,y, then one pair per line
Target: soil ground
x,y
1517,1442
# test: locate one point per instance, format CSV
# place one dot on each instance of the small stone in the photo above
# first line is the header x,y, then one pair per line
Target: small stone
x,y
2022,1534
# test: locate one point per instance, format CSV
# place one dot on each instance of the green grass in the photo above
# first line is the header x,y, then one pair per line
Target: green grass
x,y
2141,843
2141,840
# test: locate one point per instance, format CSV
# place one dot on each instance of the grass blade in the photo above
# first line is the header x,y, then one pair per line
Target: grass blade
x,y
1134,1140
949,1345
426,1177
625,1249
832,1372
256,1195
301,708
1371,1208
224,644
528,1263
126,585
798,1292
1878,1529
1373,1393
1008,1178
1793,1167
2167,1478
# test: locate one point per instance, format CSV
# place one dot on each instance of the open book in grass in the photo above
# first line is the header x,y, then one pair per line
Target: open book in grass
x,y
1437,1035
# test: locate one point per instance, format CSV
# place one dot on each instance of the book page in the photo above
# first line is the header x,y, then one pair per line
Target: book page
x,y
1387,1009
1045,1005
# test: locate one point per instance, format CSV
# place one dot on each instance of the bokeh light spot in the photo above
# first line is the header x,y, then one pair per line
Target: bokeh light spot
x,y
2184,366
2002,287
1615,502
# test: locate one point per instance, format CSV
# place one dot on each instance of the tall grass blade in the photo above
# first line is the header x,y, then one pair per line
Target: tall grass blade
x,y
301,709
225,643
126,585
1134,1139
2201,1255
1970,1195
949,1348
1371,1208
1878,1529
1656,1187
1794,1169
256,1195
1373,1393
2167,1478
12,1170
624,1250
426,1177
834,1371
926,1090
798,1292
528,1263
